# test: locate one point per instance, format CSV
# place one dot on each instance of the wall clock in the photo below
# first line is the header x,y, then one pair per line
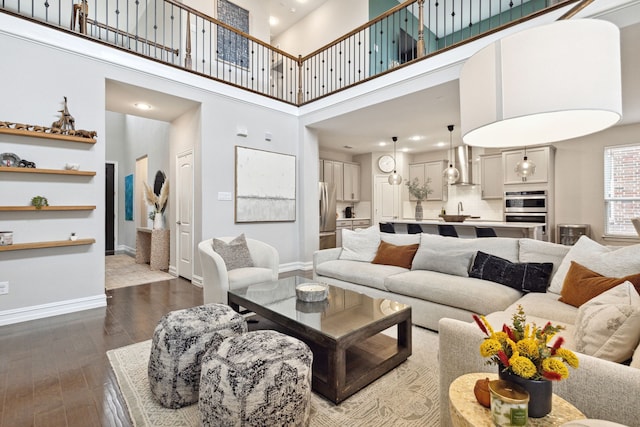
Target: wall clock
x,y
386,163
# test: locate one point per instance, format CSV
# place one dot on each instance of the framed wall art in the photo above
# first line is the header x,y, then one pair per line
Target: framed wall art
x,y
265,186
128,197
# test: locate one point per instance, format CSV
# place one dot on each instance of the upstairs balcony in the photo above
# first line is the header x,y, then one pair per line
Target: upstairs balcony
x,y
179,36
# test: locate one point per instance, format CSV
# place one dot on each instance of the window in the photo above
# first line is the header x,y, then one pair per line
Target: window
x,y
621,189
232,47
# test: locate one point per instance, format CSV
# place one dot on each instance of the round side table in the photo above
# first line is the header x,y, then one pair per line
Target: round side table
x,y
467,412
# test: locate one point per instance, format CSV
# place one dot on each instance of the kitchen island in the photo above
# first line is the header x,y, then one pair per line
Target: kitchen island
x,y
466,229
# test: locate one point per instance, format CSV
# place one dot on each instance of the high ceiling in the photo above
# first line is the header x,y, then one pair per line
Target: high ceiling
x,y
425,113
288,12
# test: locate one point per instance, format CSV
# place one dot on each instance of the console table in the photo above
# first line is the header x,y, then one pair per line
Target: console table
x,y
152,247
467,412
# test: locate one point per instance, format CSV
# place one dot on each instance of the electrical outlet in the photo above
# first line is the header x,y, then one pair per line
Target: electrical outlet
x,y
4,288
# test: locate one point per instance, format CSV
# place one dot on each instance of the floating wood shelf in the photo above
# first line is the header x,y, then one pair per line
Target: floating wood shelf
x,y
47,171
47,208
50,244
46,135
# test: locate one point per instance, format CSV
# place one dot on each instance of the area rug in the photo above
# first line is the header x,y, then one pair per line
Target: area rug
x,y
406,396
122,271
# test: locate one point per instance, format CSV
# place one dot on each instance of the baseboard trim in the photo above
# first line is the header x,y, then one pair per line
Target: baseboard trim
x,y
196,280
24,314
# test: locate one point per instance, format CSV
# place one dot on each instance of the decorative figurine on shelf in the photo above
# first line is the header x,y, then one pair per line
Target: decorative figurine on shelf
x,y
39,202
66,121
26,164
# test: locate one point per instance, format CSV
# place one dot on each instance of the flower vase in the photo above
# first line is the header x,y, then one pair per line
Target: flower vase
x,y
419,210
158,221
540,392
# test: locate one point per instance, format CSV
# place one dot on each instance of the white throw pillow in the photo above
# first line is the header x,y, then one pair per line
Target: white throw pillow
x,y
361,244
635,359
608,262
608,326
532,250
400,239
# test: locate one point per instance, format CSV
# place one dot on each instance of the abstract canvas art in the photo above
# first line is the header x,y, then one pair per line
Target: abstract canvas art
x,y
265,186
128,197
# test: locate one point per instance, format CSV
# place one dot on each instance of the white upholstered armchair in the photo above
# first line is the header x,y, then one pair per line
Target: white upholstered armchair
x,y
216,280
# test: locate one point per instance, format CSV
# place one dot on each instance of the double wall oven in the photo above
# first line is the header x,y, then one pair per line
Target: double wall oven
x,y
527,206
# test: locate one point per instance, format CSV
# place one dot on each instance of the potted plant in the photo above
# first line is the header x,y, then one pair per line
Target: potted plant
x,y
524,356
419,192
39,202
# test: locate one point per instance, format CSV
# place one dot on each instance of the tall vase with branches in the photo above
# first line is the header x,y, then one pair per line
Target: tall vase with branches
x,y
419,192
158,202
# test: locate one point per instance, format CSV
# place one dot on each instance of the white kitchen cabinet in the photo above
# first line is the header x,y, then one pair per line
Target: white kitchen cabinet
x,y
491,176
351,182
432,171
542,157
333,173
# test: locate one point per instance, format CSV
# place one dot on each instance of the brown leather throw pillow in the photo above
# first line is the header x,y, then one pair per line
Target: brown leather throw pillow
x,y
401,256
582,284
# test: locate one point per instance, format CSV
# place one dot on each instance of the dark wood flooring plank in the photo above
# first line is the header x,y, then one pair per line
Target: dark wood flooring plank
x,y
55,372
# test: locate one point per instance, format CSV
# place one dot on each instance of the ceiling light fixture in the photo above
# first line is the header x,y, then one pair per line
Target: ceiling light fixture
x,y
543,85
526,167
395,178
273,21
451,174
142,106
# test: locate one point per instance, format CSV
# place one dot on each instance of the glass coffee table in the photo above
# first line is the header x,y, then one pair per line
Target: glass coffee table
x,y
344,331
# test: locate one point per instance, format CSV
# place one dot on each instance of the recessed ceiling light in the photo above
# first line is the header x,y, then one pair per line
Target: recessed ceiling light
x,y
416,138
382,144
441,144
273,21
405,150
302,1
142,106
292,10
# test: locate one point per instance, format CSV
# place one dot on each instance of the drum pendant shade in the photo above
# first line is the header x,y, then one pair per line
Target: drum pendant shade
x,y
545,84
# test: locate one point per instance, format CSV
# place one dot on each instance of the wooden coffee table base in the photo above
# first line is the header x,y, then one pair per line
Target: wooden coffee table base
x,y
344,365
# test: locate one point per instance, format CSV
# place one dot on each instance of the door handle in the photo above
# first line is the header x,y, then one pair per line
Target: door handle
x,y
179,222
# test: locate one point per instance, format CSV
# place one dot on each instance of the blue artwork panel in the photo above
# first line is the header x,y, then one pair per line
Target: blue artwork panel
x,y
232,47
128,197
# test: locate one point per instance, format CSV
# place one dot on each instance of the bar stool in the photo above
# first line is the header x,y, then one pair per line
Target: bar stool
x,y
414,229
485,232
387,227
447,230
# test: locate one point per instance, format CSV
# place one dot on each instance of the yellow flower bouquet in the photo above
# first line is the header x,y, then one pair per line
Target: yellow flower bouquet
x,y
524,349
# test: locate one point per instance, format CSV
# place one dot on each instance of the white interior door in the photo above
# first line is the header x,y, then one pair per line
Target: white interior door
x,y
184,216
386,200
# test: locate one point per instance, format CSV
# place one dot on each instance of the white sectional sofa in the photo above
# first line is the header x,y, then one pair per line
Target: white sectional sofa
x,y
444,302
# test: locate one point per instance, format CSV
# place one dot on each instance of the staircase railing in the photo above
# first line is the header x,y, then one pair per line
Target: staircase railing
x,y
179,36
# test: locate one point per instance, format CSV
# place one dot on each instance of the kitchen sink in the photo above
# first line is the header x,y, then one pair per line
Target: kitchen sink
x,y
454,218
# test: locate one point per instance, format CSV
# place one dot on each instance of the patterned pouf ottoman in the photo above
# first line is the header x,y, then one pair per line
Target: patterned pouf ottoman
x,y
180,340
261,378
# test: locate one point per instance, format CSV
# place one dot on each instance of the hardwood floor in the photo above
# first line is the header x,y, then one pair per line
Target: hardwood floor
x,y
55,372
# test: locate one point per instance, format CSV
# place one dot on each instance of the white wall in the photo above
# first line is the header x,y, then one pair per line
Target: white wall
x,y
312,32
67,279
128,138
579,177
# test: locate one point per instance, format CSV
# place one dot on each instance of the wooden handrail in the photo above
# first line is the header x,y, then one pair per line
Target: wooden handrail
x,y
132,36
575,9
360,28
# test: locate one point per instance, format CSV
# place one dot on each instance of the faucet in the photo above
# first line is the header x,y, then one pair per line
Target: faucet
x,y
460,207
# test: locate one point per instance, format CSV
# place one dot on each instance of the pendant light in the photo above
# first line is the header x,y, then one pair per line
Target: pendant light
x,y
451,174
511,95
395,178
526,167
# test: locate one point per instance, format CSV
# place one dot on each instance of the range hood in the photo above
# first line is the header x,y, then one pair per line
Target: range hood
x,y
464,163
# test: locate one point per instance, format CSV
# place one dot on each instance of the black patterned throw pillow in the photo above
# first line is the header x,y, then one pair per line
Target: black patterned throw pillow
x,y
525,277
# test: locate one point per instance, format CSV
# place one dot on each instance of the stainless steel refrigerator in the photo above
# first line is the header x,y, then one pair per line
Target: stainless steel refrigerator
x,y
327,215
